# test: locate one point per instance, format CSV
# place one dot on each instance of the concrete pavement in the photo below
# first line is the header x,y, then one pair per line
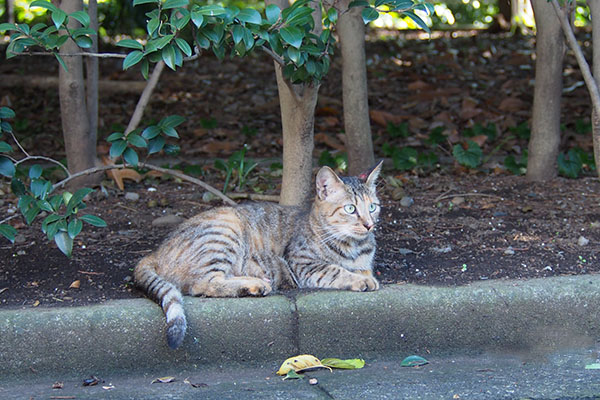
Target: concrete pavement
x,y
536,317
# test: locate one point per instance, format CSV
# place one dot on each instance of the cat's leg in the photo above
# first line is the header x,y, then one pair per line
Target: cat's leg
x,y
220,285
317,274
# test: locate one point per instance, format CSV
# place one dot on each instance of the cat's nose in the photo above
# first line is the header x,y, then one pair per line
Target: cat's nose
x,y
368,225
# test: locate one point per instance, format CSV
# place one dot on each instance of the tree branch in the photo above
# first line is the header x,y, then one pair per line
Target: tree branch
x,y
583,65
145,97
81,54
174,173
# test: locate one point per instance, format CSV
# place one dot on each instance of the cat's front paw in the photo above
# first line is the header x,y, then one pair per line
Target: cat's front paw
x,y
364,284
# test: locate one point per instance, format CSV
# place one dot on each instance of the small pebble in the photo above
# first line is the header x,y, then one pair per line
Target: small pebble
x,y
313,381
132,196
406,201
458,200
404,251
445,249
582,241
509,251
168,220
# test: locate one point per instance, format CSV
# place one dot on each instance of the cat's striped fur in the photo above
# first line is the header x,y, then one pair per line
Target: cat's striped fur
x,y
252,249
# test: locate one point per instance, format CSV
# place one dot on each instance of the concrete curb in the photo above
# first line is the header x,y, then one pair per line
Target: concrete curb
x,y
538,315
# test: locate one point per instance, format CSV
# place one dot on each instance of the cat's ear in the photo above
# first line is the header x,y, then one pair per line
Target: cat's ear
x,y
370,176
328,183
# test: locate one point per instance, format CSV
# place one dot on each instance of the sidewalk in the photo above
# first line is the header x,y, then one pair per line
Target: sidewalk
x,y
537,316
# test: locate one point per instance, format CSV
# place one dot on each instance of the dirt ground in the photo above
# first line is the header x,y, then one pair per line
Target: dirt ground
x,y
445,225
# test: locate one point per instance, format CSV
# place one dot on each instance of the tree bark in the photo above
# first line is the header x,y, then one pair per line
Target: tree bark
x,y
595,14
359,143
92,73
545,129
297,104
10,11
80,144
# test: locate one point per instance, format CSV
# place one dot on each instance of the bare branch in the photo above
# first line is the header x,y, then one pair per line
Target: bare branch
x,y
145,97
583,65
81,54
172,172
274,56
9,218
47,159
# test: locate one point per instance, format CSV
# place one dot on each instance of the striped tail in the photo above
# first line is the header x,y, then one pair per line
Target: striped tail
x,y
167,295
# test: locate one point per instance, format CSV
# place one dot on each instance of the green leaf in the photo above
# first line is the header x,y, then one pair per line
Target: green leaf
x,y
77,198
155,145
569,164
40,188
8,232
355,363
168,56
292,35
358,3
469,157
131,156
6,113
136,140
7,168
332,14
174,4
171,132
369,14
43,4
151,132
17,187
145,68
171,121
272,12
93,220
31,213
417,20
115,136
413,361
61,61
184,46
44,205
117,148
82,17
197,18
5,147
237,33
64,243
7,27
293,375
588,366
212,10
250,15
172,149
74,228
132,58
85,42
157,44
293,54
58,17
152,25
130,44
138,2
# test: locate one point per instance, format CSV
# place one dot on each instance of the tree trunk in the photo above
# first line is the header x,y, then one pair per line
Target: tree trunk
x,y
10,11
359,143
595,14
80,144
545,129
92,73
297,104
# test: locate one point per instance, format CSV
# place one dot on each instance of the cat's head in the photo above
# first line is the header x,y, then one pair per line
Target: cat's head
x,y
348,204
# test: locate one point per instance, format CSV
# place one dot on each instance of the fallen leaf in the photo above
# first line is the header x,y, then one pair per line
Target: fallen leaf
x,y
75,284
194,385
36,303
164,379
513,104
91,381
383,117
292,375
593,366
301,363
329,141
413,361
418,85
58,385
355,363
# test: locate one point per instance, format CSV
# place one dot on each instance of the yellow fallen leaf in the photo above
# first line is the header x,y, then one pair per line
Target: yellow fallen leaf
x,y
301,363
118,175
36,303
75,284
354,363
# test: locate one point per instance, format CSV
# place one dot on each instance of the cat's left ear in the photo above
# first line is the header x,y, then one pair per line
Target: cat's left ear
x,y
370,176
329,185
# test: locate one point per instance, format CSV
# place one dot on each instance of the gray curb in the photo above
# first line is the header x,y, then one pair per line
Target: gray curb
x,y
538,315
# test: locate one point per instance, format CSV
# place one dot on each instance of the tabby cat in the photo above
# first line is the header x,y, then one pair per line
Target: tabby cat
x,y
254,248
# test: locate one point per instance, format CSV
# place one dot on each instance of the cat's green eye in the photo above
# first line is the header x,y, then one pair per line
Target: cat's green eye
x,y
372,207
350,208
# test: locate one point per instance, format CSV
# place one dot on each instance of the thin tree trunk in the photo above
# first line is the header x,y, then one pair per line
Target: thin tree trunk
x,y
297,104
545,129
79,143
10,11
595,11
92,71
359,143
